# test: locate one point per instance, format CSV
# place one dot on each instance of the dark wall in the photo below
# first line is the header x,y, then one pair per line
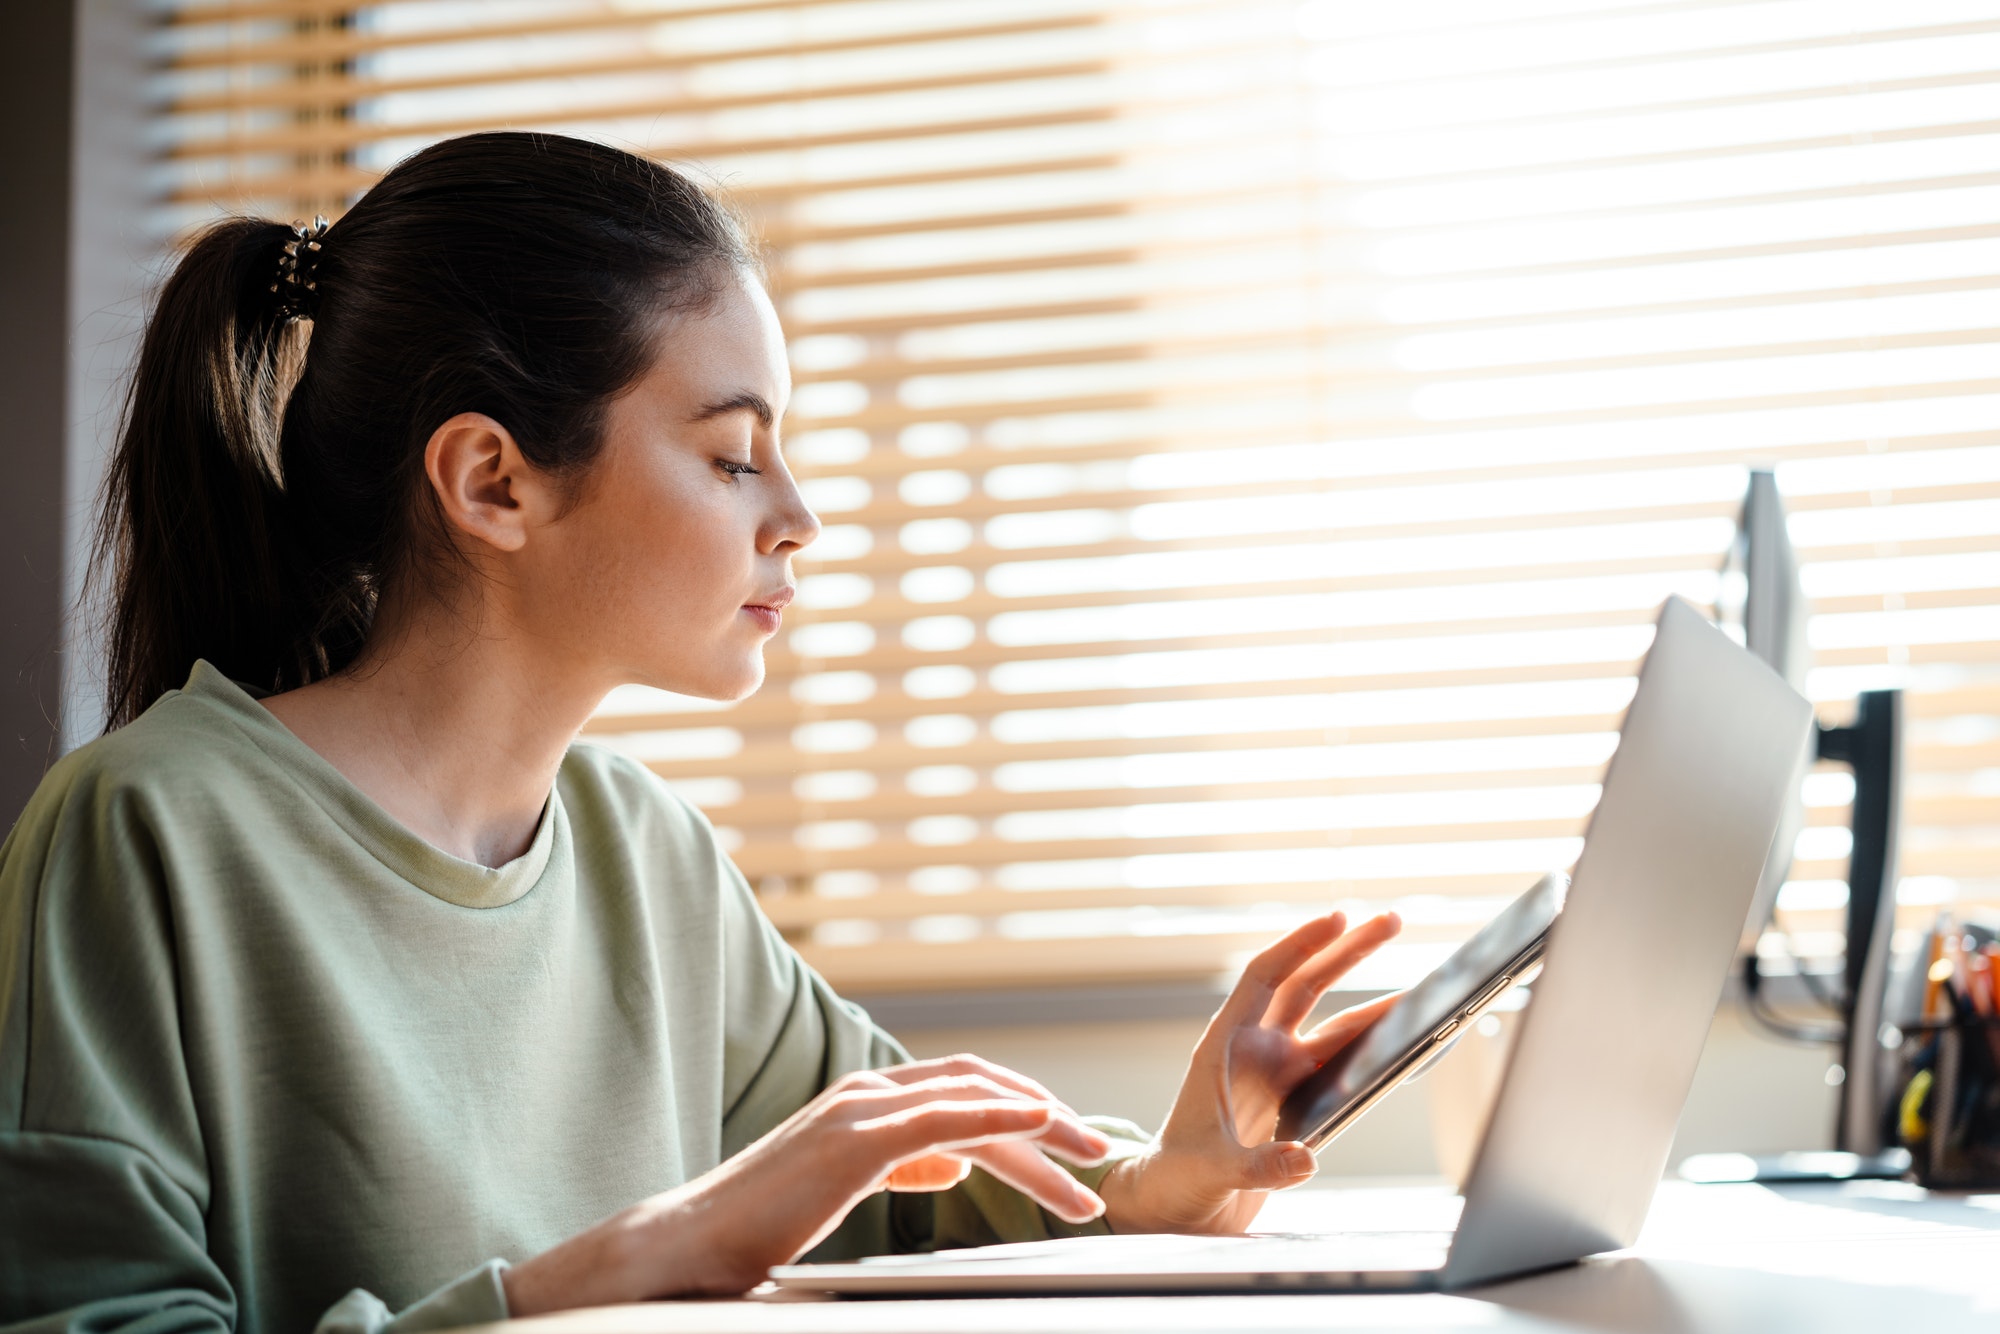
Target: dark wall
x,y
37,45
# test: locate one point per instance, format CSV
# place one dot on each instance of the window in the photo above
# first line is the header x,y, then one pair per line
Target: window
x,y
1253,438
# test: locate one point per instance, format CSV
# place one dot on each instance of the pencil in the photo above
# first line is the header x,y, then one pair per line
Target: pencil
x,y
1931,975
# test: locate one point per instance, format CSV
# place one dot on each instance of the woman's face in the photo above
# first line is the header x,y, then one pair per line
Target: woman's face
x,y
674,564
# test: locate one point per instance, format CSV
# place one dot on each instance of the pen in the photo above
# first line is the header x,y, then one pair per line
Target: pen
x,y
1937,986
1931,975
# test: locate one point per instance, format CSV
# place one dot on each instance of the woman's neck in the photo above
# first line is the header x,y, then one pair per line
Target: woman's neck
x,y
457,734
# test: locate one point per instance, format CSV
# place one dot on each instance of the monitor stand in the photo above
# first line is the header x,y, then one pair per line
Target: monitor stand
x,y
1805,1165
1872,746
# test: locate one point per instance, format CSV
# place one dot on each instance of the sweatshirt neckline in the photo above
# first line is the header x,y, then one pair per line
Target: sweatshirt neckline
x,y
423,864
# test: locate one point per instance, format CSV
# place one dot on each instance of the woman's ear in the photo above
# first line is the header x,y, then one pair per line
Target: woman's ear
x,y
485,487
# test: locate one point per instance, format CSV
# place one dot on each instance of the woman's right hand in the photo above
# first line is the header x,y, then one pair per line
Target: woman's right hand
x,y
917,1127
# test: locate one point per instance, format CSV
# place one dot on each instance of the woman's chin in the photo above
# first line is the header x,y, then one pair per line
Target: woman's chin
x,y
739,684
726,685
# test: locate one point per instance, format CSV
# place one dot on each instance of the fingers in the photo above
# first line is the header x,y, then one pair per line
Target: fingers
x,y
1298,993
904,1134
932,1119
1074,1142
1252,994
1277,1166
1068,1135
1021,1166
976,1130
1065,1134
1329,1036
937,1171
966,1064
896,1110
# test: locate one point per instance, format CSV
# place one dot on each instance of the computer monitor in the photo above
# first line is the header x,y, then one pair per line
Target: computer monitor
x,y
1762,603
1762,599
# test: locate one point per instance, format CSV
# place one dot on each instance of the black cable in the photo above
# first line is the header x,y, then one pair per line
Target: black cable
x,y
1814,983
1758,1008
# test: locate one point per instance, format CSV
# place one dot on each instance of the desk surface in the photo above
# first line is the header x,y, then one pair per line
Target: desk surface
x,y
1866,1256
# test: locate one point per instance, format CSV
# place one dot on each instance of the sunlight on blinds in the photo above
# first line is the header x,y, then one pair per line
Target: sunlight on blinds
x,y
1254,438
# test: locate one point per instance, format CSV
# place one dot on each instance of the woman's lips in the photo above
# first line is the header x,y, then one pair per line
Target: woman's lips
x,y
768,613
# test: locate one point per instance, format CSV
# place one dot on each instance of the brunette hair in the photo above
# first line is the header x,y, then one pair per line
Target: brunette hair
x,y
268,481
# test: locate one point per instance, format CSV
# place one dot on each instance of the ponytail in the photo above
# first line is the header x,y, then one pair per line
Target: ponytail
x,y
193,522
268,483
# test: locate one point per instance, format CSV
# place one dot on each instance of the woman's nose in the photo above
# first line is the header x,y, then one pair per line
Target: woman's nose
x,y
795,526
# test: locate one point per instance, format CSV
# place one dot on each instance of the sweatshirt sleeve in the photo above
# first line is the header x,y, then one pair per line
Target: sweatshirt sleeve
x,y
790,1036
104,1178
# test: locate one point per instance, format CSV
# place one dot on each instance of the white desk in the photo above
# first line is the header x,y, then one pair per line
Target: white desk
x,y
1875,1257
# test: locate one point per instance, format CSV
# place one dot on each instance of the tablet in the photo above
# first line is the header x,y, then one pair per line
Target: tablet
x,y
1426,1020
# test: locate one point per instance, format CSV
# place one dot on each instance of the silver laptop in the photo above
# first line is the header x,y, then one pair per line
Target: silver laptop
x,y
1607,1047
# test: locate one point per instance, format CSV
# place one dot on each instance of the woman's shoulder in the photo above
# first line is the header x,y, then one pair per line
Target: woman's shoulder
x,y
604,790
631,829
181,745
605,776
111,802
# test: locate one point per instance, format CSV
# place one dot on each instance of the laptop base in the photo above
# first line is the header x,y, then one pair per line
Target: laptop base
x,y
1142,1265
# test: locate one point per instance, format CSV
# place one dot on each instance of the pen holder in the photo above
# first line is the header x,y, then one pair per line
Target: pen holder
x,y
1948,1108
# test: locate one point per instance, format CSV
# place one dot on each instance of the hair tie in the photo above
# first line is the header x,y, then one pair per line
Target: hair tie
x,y
297,287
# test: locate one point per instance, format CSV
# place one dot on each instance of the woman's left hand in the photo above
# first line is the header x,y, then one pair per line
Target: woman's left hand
x,y
1214,1160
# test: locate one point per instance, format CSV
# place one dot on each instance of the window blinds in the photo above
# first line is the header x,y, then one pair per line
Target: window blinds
x,y
1253,438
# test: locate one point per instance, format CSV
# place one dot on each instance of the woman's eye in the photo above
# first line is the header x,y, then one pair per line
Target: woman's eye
x,y
735,469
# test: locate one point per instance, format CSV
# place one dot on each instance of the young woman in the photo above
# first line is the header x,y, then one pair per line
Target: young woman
x,y
338,985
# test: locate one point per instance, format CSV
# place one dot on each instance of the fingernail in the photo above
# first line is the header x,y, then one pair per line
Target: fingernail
x,y
1088,1204
1297,1161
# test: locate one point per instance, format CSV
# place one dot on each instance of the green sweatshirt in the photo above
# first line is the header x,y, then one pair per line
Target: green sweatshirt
x,y
269,1061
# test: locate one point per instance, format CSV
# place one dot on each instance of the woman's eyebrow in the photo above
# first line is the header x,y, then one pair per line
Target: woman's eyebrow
x,y
743,402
